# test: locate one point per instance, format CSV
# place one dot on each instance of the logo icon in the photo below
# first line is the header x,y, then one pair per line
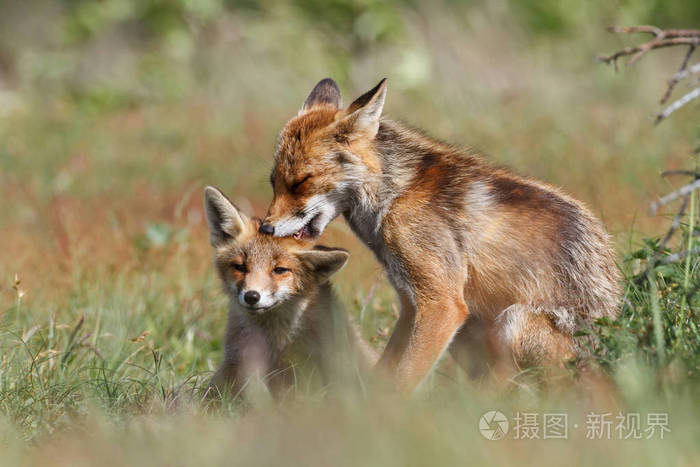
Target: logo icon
x,y
493,425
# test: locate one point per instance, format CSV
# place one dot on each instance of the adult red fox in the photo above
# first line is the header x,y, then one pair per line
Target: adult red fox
x,y
474,252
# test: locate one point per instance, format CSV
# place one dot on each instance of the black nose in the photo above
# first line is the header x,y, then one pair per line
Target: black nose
x,y
251,297
267,228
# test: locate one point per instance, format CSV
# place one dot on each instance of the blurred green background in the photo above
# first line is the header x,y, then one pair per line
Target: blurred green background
x,y
115,114
211,82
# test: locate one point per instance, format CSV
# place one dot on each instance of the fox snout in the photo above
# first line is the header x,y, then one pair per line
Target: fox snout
x,y
266,228
307,220
258,300
269,224
251,297
276,213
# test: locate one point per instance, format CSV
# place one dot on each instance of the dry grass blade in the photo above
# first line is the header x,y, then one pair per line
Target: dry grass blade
x,y
71,340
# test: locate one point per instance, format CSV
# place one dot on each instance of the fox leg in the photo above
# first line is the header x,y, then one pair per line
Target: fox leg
x,y
435,322
400,336
531,337
247,354
468,347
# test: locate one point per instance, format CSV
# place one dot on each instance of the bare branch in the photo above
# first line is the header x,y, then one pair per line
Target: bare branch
x,y
666,38
675,105
653,261
693,70
661,38
657,32
638,51
675,78
682,191
689,173
674,225
676,257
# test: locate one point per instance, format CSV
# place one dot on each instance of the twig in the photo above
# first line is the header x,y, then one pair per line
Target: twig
x,y
638,51
656,31
689,173
674,225
682,191
676,257
653,261
692,95
662,38
678,76
693,70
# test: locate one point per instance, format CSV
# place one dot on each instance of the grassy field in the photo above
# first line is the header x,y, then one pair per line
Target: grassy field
x,y
114,116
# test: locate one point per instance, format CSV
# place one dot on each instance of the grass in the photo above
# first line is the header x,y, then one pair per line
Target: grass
x,y
110,314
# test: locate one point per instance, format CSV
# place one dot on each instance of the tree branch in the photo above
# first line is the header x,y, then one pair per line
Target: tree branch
x,y
678,76
676,257
675,105
682,191
656,31
693,70
638,51
661,38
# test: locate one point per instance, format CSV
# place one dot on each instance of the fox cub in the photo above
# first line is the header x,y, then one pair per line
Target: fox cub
x,y
479,257
282,308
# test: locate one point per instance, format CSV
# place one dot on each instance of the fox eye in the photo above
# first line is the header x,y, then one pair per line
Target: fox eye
x,y
239,267
298,184
279,270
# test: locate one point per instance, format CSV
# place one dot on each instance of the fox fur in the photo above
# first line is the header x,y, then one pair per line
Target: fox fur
x,y
479,257
294,316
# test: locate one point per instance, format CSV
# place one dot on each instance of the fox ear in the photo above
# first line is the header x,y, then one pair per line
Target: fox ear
x,y
364,113
326,92
224,219
324,262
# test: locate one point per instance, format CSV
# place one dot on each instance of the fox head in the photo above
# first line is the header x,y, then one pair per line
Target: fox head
x,y
323,157
260,272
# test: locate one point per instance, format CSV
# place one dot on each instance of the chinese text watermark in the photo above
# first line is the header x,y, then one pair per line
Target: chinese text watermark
x,y
494,425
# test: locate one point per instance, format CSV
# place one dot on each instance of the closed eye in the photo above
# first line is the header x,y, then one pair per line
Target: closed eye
x,y
279,270
239,267
298,184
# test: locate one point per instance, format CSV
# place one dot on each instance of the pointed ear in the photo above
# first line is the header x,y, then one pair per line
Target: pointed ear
x,y
364,113
324,262
224,219
326,92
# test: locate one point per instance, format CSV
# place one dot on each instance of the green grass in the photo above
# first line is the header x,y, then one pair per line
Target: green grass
x,y
116,321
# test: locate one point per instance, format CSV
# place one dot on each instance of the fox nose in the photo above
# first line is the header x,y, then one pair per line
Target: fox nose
x,y
267,228
251,297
